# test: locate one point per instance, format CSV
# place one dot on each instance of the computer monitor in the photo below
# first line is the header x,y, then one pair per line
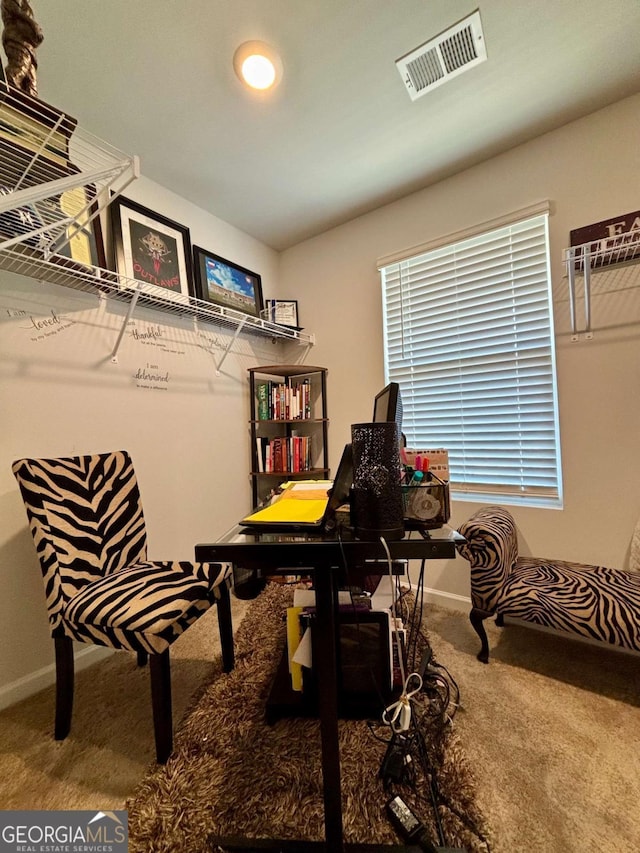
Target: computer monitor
x,y
388,406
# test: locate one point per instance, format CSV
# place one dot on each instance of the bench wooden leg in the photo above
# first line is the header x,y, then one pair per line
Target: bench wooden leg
x,y
477,617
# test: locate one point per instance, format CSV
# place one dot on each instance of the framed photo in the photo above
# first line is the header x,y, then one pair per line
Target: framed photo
x,y
149,247
85,245
284,312
227,284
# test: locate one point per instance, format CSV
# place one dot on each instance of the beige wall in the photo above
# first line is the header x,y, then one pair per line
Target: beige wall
x,y
62,394
589,170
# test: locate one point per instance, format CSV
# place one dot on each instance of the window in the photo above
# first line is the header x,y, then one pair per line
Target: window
x,y
468,335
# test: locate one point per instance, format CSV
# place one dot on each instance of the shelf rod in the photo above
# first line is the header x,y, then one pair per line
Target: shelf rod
x,y
586,269
132,305
38,153
571,274
31,195
22,238
230,344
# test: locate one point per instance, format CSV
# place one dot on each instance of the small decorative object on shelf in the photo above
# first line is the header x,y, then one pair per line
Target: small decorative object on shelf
x,y
284,312
20,39
289,426
226,284
150,248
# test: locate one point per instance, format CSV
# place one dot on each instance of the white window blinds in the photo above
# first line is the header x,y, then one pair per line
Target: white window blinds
x,y
468,334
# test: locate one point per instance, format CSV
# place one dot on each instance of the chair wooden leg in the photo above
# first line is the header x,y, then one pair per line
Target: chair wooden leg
x,y
160,668
143,657
226,628
500,620
477,617
64,686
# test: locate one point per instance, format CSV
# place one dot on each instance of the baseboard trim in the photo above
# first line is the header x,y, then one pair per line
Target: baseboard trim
x,y
36,681
448,600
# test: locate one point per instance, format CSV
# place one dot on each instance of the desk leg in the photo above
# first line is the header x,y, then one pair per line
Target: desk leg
x,y
326,665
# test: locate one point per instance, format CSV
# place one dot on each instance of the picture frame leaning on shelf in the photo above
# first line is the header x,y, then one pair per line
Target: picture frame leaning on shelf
x,y
284,312
226,283
148,247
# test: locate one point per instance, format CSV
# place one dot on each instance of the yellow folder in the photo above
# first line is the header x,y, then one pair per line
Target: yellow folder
x,y
300,503
294,635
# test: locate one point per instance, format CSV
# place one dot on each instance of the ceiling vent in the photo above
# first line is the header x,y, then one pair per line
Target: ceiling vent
x,y
455,50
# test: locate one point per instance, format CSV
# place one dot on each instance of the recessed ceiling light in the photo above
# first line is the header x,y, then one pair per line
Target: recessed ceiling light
x,y
258,65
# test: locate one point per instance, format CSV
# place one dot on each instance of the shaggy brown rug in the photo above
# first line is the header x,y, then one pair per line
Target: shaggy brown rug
x,y
233,775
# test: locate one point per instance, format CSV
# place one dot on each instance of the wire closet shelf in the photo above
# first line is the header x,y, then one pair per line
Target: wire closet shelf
x,y
55,179
617,256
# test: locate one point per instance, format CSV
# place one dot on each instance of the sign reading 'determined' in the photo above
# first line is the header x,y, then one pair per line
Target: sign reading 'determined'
x,y
63,832
612,241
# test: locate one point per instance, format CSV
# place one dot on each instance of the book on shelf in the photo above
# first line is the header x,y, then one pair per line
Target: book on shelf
x,y
284,401
260,452
282,454
262,391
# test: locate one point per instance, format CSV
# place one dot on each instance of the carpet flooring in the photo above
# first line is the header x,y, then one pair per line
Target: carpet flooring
x,y
549,727
231,774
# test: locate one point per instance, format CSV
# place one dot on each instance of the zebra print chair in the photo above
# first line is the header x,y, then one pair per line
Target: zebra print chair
x,y
590,601
87,523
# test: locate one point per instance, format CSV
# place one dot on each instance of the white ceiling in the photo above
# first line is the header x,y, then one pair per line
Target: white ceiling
x,y
340,136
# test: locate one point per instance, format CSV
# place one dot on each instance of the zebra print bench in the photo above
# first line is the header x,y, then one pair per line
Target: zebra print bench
x,y
590,601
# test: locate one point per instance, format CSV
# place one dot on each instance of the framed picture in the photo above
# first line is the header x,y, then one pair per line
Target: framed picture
x,y
149,247
85,244
284,312
227,284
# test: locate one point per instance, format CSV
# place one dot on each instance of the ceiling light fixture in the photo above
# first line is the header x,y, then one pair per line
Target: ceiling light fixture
x,y
258,65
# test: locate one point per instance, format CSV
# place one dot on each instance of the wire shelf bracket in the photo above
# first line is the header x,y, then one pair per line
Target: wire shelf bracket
x,y
581,262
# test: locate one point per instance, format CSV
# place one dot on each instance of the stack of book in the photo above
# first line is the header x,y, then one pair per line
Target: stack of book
x,y
287,454
284,401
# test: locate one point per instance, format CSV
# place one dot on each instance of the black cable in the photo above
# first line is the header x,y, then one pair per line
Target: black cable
x,y
416,625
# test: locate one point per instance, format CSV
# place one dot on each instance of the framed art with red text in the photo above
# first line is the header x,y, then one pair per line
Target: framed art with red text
x,y
152,249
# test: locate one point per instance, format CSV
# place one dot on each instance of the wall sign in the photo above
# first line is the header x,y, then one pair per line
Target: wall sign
x,y
612,241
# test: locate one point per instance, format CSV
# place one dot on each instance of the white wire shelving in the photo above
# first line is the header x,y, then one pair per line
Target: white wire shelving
x,y
55,181
617,256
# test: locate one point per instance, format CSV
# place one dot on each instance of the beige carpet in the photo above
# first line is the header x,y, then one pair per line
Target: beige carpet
x,y
111,745
550,727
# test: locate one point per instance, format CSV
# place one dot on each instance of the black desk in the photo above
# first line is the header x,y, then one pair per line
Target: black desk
x,y
323,556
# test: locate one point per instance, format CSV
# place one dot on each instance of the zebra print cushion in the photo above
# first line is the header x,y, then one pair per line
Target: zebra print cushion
x,y
592,601
492,550
87,523
143,607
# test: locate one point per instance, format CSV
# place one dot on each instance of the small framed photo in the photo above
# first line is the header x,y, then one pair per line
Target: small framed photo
x,y
150,248
226,284
284,312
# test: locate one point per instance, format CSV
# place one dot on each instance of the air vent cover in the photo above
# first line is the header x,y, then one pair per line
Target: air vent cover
x,y
443,57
